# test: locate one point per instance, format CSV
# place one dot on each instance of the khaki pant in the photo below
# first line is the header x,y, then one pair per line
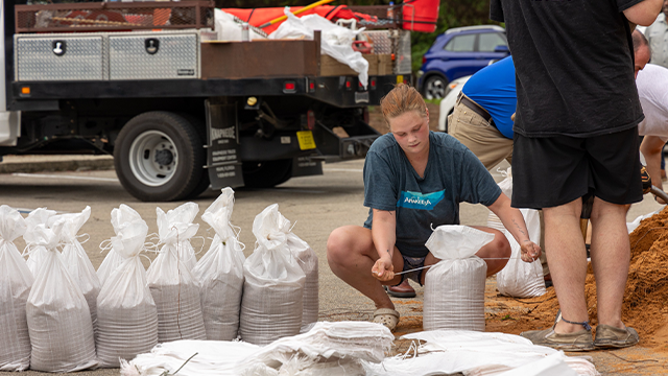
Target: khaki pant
x,y
490,146
481,137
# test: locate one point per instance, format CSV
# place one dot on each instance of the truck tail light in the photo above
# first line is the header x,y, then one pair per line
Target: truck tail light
x,y
289,87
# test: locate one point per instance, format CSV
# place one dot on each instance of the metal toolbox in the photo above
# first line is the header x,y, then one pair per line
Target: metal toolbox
x,y
60,57
154,55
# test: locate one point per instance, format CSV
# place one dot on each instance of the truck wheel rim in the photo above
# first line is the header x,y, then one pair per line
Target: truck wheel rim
x,y
153,158
435,89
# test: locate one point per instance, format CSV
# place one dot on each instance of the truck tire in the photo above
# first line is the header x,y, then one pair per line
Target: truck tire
x,y
159,157
266,174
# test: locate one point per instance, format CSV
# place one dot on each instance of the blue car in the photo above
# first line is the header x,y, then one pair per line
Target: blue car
x,y
459,52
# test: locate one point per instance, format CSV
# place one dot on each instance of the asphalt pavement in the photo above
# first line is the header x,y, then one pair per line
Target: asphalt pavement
x,y
315,205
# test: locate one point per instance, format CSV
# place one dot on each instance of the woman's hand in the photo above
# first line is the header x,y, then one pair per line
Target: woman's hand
x,y
530,251
383,269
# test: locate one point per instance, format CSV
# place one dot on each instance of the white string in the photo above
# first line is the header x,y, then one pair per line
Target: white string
x,y
81,236
105,247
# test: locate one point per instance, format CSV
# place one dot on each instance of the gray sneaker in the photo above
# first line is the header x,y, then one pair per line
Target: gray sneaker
x,y
611,337
578,341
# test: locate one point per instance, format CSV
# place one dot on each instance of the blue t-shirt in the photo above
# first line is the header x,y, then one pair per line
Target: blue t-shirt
x,y
453,174
493,87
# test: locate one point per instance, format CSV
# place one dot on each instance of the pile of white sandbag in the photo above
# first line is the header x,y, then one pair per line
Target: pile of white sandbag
x,y
60,315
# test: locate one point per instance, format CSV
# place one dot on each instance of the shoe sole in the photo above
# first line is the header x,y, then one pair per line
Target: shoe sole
x,y
612,345
400,294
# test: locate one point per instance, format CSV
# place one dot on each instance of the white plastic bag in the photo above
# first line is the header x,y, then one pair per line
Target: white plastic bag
x,y
308,261
35,245
518,278
220,272
75,258
174,289
127,314
230,31
454,293
272,303
15,282
337,41
59,321
121,218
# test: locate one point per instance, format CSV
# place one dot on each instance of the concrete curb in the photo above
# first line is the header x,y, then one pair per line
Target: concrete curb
x,y
28,165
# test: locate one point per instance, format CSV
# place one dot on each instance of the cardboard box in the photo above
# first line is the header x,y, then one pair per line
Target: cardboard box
x,y
331,67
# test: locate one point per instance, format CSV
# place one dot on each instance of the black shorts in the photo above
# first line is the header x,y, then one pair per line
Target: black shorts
x,y
553,171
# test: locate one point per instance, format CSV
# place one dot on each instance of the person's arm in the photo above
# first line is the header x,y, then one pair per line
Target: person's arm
x,y
513,221
384,235
652,149
644,13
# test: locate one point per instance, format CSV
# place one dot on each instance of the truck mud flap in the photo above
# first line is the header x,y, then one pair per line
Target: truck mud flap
x,y
222,135
306,166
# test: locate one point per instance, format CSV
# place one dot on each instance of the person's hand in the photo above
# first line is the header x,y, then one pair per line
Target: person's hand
x,y
530,251
383,269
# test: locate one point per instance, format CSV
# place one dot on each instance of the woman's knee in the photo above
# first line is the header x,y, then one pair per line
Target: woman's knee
x,y
343,242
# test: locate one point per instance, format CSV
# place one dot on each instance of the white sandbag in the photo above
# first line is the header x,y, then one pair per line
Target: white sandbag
x,y
174,289
220,272
76,259
15,282
454,293
336,40
518,278
35,245
475,353
121,217
272,302
127,314
631,226
59,321
308,261
230,31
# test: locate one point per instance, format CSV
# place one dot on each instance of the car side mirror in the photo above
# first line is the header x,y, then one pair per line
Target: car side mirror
x,y
502,49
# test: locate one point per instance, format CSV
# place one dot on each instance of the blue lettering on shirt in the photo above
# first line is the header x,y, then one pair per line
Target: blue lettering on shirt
x,y
417,200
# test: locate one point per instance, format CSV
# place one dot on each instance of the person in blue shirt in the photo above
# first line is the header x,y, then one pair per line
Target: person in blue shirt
x,y
481,119
414,180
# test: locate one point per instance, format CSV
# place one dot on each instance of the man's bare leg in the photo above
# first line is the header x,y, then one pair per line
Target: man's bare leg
x,y
351,255
566,255
610,255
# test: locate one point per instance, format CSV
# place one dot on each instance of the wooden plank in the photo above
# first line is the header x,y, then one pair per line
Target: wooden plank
x,y
259,58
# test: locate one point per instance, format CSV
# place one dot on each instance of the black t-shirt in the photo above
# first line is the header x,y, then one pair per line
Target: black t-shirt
x,y
574,66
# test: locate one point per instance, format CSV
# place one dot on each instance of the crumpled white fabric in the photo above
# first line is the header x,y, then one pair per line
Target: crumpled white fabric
x,y
631,226
220,272
176,228
479,353
36,244
454,292
76,259
337,41
329,348
272,302
15,282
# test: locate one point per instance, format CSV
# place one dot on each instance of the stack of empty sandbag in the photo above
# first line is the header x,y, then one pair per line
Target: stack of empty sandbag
x,y
127,314
15,282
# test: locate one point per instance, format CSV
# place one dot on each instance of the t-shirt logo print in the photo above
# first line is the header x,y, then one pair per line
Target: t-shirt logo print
x,y
417,200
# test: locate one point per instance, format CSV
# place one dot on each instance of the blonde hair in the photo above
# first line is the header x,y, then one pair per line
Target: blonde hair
x,y
401,99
